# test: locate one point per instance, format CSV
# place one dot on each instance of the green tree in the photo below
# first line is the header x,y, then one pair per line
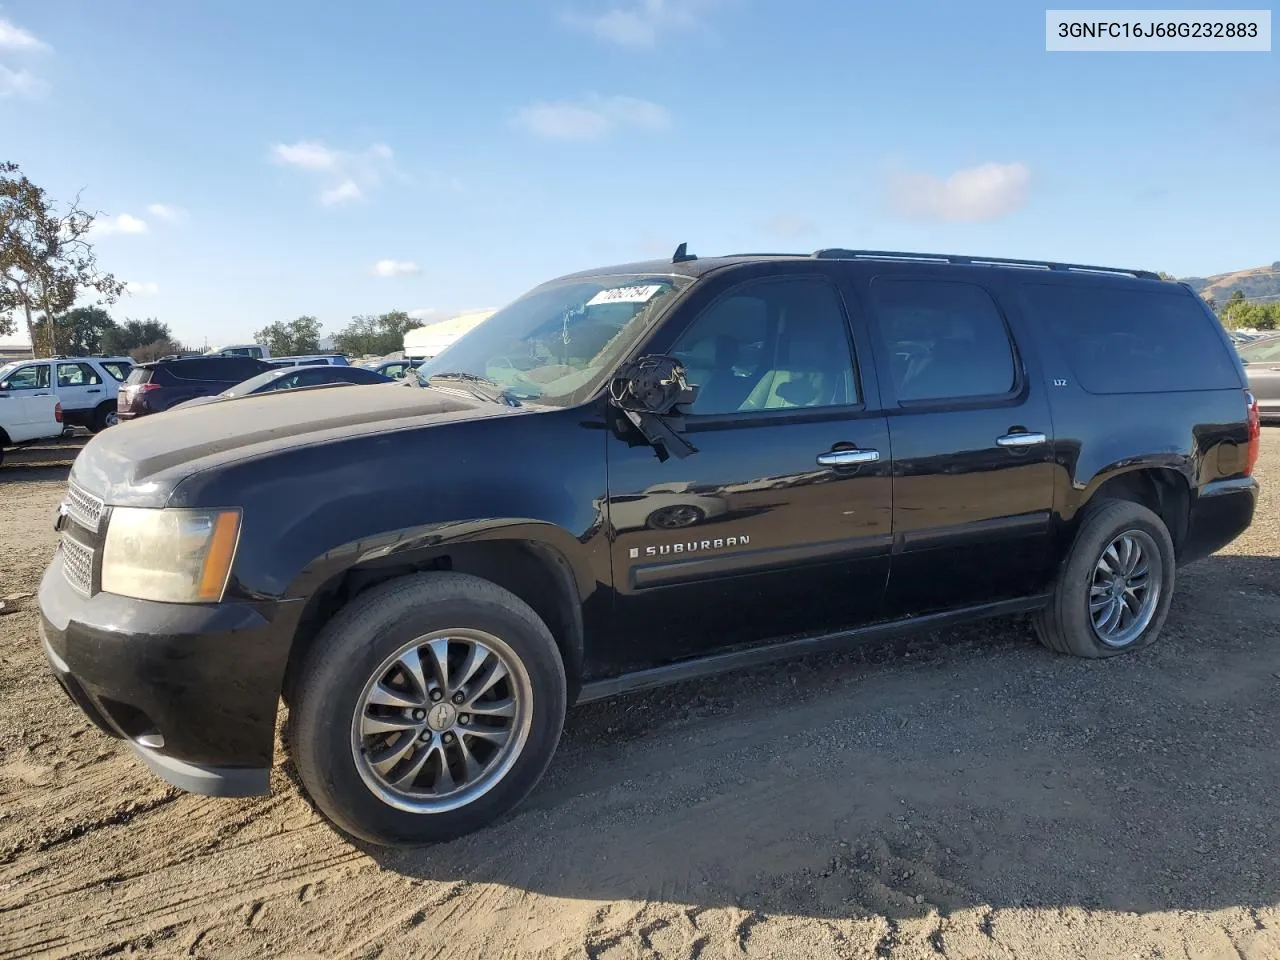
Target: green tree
x,y
290,338
132,334
82,330
374,334
164,347
46,260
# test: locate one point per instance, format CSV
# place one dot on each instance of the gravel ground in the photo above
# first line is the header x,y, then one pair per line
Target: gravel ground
x,y
961,795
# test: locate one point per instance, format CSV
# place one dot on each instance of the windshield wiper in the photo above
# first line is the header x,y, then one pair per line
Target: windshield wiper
x,y
482,388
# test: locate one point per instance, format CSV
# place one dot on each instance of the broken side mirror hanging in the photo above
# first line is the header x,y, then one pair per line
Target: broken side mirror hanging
x,y
650,390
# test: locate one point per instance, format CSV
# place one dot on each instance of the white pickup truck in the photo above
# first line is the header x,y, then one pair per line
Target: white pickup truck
x,y
25,418
86,387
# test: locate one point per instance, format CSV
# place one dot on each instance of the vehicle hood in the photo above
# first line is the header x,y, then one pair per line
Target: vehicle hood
x,y
139,462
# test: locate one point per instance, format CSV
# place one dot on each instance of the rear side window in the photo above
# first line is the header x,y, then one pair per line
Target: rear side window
x,y
77,375
116,368
946,339
1126,340
232,369
138,375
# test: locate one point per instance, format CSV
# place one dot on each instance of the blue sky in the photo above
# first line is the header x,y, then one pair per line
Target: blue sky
x,y
259,160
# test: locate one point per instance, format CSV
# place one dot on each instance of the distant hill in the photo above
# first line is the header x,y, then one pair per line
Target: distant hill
x,y
1253,282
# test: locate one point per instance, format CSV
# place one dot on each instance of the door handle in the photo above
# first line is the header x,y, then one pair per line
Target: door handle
x,y
1021,439
93,391
43,393
847,458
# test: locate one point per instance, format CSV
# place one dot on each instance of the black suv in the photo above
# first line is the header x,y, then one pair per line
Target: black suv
x,y
161,384
631,476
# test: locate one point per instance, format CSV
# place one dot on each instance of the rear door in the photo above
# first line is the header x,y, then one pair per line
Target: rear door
x,y
780,523
80,387
972,438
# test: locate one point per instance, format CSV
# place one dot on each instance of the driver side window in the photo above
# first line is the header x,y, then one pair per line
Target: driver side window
x,y
770,345
30,378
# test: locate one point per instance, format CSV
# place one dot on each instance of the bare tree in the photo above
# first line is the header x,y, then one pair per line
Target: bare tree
x,y
46,259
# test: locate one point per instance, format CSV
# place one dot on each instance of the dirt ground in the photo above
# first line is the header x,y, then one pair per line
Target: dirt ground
x,y
961,795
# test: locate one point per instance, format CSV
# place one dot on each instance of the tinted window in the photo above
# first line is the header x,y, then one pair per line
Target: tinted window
x,y
139,375
1127,340
29,378
946,340
77,375
117,368
770,345
232,369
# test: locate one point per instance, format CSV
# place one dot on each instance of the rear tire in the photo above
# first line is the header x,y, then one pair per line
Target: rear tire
x,y
377,665
104,416
1115,586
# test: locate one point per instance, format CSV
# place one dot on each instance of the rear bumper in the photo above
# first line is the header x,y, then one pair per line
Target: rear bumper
x,y
1219,514
193,688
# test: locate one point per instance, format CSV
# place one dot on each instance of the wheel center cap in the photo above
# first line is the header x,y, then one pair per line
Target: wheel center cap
x,y
441,716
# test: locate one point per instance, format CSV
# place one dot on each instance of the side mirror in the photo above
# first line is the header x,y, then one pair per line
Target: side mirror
x,y
650,390
4,385
655,385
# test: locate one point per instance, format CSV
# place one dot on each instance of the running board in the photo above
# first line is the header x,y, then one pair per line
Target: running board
x,y
770,653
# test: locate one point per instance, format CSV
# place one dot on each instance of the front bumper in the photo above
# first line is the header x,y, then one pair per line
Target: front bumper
x,y
193,688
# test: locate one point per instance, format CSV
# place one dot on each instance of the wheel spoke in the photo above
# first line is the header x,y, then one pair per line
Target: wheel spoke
x,y
384,696
405,780
1113,616
476,658
488,683
385,761
444,779
440,661
473,766
371,726
494,708
411,663
495,735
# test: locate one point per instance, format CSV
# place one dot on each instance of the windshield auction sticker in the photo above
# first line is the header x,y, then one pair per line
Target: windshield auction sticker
x,y
637,294
1126,31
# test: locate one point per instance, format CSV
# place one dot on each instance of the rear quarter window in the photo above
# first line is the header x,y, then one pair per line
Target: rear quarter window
x,y
1131,340
138,375
117,369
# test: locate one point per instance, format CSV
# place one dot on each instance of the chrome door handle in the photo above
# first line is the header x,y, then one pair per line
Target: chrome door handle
x,y
847,458
1021,439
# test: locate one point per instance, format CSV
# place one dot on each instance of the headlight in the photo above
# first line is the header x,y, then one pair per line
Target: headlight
x,y
174,556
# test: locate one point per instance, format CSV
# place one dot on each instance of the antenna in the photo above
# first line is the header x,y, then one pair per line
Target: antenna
x,y
682,254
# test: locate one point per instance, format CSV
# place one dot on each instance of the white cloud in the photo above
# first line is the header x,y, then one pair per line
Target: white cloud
x,y
346,175
136,289
985,192
124,223
167,211
639,24
592,118
13,37
395,268
344,192
788,226
19,83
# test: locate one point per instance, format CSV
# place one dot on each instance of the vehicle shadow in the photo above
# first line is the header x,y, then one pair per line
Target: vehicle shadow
x,y
962,769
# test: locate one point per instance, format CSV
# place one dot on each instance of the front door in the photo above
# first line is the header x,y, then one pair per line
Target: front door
x,y
972,442
26,416
780,522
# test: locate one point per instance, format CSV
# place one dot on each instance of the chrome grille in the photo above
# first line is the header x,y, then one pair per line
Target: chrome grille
x,y
84,508
77,564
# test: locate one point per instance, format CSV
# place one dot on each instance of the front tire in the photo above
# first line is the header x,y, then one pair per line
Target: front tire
x,y
427,708
1115,586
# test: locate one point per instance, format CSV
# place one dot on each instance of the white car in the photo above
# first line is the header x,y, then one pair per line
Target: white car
x,y
24,418
86,387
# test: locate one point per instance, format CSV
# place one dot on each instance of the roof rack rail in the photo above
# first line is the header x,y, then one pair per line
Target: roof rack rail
x,y
839,253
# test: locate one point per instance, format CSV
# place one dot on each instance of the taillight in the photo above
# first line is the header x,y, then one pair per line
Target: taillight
x,y
57,412
1255,434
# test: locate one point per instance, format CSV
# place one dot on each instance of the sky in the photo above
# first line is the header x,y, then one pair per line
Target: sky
x,y
256,161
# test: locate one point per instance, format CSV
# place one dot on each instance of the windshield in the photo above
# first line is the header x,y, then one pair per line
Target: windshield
x,y
1260,351
7,369
554,343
